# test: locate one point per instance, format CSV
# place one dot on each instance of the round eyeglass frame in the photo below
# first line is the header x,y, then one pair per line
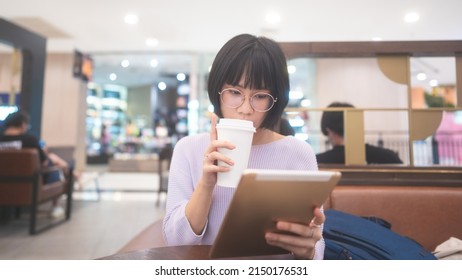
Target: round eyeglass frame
x,y
243,99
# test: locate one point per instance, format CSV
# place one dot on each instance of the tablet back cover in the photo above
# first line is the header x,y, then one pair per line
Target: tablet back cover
x,y
264,197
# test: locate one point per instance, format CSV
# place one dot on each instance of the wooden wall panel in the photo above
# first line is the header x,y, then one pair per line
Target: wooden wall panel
x,y
61,105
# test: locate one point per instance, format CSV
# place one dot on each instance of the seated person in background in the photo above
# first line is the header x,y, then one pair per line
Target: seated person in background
x,y
332,127
15,136
54,159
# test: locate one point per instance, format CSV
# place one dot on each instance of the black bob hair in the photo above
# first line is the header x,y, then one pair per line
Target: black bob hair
x,y
334,119
264,65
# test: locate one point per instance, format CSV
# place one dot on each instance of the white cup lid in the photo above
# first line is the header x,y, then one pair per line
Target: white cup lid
x,y
236,123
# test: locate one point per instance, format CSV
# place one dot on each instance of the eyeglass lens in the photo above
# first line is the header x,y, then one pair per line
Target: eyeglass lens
x,y
260,101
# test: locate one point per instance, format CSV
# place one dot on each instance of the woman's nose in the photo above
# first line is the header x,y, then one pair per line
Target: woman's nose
x,y
246,107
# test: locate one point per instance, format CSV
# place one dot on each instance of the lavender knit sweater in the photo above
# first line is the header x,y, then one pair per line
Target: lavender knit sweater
x,y
186,170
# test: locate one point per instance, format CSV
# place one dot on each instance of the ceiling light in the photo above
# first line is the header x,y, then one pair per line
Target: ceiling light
x,y
273,18
152,42
125,63
421,76
112,76
154,63
180,77
433,83
131,19
291,69
162,85
411,17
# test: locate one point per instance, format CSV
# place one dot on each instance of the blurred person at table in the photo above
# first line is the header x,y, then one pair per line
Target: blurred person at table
x,y
249,81
332,127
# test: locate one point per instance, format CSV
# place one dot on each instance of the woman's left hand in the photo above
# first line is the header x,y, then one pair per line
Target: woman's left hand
x,y
303,243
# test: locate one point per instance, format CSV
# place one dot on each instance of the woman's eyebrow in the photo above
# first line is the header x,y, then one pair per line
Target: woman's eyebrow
x,y
238,85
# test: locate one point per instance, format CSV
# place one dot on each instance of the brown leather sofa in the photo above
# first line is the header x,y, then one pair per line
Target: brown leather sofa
x,y
425,205
429,215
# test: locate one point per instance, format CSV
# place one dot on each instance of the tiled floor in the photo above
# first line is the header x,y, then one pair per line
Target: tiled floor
x,y
97,228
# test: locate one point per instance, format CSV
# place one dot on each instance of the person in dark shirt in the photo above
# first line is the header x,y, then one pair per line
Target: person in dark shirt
x,y
332,127
15,136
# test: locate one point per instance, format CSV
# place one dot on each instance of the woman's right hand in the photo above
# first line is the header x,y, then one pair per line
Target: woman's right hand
x,y
198,207
212,156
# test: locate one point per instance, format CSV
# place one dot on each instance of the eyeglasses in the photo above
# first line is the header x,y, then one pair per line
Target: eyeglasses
x,y
260,101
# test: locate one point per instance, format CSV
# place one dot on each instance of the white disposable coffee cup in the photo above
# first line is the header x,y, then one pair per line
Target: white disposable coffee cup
x,y
240,133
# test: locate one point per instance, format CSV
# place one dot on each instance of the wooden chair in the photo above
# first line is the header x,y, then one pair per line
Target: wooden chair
x,y
21,184
165,156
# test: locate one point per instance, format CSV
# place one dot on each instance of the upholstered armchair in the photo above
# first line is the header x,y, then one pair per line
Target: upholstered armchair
x,y
22,184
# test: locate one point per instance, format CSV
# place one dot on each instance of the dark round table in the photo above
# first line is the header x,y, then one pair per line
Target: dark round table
x,y
190,252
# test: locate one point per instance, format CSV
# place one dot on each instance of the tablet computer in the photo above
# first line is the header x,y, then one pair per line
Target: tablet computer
x,y
264,197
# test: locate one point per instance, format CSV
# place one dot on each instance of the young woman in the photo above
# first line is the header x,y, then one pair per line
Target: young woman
x,y
248,80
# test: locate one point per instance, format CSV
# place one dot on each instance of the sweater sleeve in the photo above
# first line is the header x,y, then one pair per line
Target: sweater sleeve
x,y
181,184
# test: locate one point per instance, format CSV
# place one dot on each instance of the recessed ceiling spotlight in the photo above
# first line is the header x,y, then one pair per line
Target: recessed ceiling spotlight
x,y
180,77
125,63
411,17
152,42
154,63
112,76
131,19
273,18
377,39
421,76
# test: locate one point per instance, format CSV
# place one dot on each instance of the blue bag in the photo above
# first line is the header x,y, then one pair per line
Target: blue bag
x,y
350,237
